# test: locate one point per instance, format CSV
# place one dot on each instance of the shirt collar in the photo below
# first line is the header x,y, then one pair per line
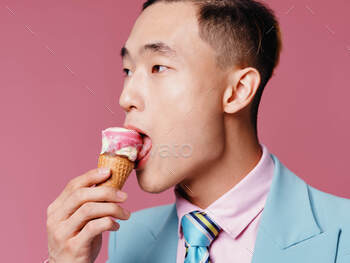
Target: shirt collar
x,y
236,208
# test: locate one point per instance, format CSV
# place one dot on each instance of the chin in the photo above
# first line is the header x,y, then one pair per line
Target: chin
x,y
150,183
160,174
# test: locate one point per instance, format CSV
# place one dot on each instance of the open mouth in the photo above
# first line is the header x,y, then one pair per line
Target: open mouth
x,y
146,146
143,149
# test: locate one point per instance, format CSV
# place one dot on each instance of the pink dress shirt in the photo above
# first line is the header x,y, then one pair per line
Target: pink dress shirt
x,y
237,212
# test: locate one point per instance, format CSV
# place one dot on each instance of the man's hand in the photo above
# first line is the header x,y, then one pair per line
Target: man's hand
x,y
79,215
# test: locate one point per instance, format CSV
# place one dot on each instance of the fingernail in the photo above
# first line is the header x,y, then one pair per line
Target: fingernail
x,y
121,195
103,170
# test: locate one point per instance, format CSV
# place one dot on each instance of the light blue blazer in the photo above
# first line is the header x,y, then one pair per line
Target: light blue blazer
x,y
299,224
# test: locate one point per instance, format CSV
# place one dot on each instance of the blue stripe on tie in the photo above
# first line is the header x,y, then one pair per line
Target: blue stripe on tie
x,y
210,221
203,225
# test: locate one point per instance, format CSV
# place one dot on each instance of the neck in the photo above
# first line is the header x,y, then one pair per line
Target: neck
x,y
242,153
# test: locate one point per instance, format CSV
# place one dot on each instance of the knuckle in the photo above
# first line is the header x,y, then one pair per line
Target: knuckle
x,y
92,226
72,246
71,184
79,195
50,224
107,193
104,223
86,209
110,192
100,225
57,236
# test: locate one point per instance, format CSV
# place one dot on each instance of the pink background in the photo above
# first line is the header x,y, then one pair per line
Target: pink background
x,y
61,78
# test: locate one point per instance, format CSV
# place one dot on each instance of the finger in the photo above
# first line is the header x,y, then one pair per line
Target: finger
x,y
88,194
94,228
90,178
90,211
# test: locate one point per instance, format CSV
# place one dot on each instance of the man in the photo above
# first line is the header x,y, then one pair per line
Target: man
x,y
195,73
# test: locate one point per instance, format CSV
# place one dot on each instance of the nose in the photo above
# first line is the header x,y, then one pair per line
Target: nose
x,y
131,98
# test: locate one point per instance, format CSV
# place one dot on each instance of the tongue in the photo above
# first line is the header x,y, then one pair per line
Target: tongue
x,y
147,144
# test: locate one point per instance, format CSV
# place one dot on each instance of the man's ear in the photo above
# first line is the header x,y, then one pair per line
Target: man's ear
x,y
241,88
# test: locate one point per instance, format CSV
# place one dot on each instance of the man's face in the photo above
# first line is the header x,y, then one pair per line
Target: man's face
x,y
175,97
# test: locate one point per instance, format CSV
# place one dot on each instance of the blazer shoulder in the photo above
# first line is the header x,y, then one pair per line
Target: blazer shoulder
x,y
137,234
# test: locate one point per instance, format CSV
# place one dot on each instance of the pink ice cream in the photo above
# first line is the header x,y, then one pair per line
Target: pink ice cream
x,y
121,141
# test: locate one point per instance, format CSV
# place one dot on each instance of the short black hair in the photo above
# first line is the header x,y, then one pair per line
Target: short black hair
x,y
243,32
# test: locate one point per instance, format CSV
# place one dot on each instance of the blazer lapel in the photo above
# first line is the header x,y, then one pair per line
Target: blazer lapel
x,y
288,231
164,249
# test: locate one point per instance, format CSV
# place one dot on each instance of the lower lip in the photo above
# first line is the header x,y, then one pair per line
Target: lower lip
x,y
142,162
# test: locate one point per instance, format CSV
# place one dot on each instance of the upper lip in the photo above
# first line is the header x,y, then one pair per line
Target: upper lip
x,y
131,127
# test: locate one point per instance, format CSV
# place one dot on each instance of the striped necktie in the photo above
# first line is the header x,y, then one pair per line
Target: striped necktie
x,y
199,231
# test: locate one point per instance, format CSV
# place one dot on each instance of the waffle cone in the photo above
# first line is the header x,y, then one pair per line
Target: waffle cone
x,y
120,166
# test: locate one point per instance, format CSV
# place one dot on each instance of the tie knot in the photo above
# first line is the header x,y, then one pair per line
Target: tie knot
x,y
199,229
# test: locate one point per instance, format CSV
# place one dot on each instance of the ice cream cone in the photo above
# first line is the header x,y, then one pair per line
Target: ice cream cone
x,y
120,166
120,148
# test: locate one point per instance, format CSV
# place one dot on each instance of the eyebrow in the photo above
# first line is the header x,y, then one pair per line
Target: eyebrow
x,y
157,48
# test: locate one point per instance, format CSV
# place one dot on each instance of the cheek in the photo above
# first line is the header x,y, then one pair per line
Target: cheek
x,y
187,111
207,133
174,93
171,102
206,124
201,131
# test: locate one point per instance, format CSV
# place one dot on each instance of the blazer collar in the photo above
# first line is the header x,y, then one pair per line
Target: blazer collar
x,y
287,216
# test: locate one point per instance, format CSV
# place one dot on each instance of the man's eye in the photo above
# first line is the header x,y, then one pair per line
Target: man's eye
x,y
157,68
126,71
